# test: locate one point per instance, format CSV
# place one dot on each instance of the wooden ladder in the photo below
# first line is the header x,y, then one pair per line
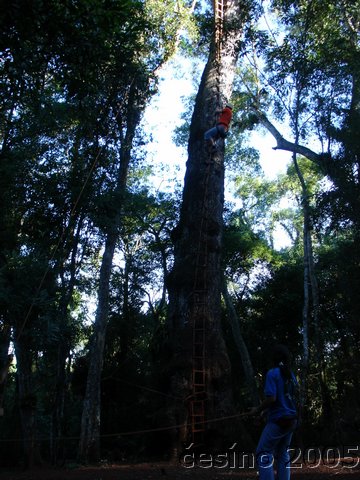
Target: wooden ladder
x,y
199,377
219,10
200,315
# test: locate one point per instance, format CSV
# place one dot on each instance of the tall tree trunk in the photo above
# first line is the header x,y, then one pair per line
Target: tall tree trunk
x,y
311,287
89,446
4,360
68,279
194,284
305,319
308,264
241,346
27,400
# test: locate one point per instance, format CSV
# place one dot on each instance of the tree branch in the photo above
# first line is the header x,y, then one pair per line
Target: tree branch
x,y
283,144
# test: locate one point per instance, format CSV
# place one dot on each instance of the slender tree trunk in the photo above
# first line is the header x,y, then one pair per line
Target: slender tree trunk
x,y
307,249
89,446
195,282
305,321
63,350
27,401
311,287
4,360
318,336
124,337
241,346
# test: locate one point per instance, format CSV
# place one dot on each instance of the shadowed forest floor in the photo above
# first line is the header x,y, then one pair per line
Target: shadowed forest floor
x,y
166,471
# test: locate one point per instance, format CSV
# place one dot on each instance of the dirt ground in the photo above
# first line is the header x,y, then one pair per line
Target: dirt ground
x,y
166,471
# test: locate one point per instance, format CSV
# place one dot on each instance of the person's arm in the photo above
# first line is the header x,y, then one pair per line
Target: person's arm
x,y
263,406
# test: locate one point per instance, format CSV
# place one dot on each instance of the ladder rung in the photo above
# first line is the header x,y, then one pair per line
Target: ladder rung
x,y
199,391
198,417
199,351
199,335
199,298
199,325
199,330
199,361
198,428
198,410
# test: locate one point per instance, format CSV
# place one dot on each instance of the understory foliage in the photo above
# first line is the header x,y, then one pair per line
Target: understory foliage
x,y
69,73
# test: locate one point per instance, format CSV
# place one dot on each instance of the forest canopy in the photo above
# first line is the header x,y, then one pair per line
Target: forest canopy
x,y
94,261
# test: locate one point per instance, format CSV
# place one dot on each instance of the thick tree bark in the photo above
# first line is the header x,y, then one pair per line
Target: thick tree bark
x,y
195,281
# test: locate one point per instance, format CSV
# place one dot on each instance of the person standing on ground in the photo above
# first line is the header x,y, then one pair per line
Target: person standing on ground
x,y
281,390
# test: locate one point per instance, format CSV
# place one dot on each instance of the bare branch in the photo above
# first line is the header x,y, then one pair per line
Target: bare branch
x,y
283,144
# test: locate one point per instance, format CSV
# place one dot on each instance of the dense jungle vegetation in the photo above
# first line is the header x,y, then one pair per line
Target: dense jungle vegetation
x,y
87,256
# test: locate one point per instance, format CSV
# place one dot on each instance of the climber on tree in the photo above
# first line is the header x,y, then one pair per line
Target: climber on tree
x,y
221,128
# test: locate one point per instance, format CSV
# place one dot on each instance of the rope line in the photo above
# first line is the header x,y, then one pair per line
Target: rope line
x,y
135,432
142,387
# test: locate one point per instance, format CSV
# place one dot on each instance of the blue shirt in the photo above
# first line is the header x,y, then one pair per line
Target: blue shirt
x,y
284,405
